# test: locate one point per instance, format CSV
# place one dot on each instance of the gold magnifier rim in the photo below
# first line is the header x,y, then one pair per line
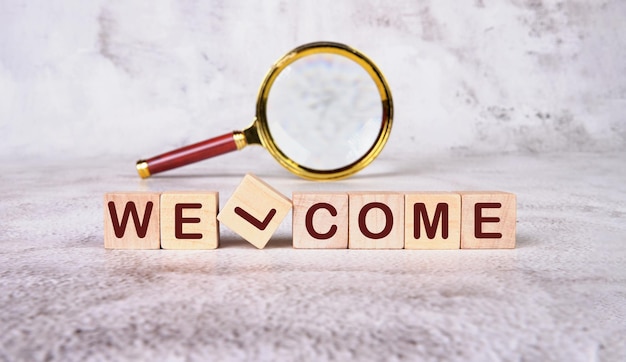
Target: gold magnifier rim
x,y
265,135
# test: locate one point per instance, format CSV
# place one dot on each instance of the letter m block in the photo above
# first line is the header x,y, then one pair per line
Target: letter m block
x,y
131,220
433,220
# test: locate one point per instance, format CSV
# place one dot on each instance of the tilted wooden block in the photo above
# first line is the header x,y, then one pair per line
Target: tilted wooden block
x,y
433,220
189,220
376,220
131,220
488,220
320,220
255,210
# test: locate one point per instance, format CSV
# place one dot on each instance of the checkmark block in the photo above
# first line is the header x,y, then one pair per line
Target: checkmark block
x,y
255,211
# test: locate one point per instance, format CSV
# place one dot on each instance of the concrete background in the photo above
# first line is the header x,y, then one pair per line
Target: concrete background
x,y
132,79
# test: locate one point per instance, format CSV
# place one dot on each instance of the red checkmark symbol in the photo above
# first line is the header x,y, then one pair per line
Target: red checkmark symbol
x,y
261,225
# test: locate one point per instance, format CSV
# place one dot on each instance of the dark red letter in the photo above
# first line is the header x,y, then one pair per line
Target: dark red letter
x,y
479,220
441,211
388,220
261,225
179,220
130,208
309,221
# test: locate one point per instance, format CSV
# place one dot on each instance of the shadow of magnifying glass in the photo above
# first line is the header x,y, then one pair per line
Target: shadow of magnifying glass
x,y
324,112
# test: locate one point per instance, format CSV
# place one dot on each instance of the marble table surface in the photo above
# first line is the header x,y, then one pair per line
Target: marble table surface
x,y
560,295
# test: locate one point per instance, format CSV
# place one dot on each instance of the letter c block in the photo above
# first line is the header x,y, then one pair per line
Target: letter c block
x,y
320,220
189,220
376,220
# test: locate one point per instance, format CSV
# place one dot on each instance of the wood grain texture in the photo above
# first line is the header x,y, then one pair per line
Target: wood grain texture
x,y
376,220
432,220
189,220
320,220
488,220
131,220
255,210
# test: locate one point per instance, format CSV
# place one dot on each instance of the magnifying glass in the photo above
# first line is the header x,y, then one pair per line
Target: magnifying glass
x,y
324,111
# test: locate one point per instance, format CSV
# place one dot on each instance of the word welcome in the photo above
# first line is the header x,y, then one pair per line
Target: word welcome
x,y
321,220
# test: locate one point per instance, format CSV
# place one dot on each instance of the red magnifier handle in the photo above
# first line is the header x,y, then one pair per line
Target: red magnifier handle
x,y
193,153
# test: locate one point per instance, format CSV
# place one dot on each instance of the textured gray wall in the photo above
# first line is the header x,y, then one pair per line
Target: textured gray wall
x,y
125,78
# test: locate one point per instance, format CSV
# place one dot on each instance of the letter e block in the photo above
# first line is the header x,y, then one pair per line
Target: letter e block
x,y
488,220
131,220
320,220
376,220
255,210
189,220
433,220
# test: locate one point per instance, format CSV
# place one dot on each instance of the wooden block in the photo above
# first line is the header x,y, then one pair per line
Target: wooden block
x,y
189,220
433,220
376,220
488,220
320,220
131,220
255,210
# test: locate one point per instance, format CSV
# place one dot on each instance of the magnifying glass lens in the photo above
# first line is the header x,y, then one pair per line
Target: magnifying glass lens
x,y
324,111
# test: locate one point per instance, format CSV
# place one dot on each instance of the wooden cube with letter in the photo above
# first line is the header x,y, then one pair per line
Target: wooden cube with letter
x,y
255,210
488,220
189,220
433,220
320,220
376,220
131,220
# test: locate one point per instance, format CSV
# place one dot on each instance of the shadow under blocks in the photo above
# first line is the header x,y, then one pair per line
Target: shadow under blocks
x,y
321,220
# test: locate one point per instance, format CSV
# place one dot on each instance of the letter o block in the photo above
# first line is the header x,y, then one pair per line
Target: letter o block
x,y
376,220
189,220
320,220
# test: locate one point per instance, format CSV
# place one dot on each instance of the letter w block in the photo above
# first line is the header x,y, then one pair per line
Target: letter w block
x,y
433,220
131,221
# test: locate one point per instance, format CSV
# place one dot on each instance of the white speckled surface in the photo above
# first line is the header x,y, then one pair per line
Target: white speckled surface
x,y
559,296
